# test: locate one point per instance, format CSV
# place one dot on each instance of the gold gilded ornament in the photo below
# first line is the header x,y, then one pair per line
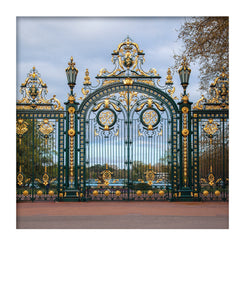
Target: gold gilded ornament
x,y
45,177
169,77
128,81
217,193
21,128
39,193
150,117
106,175
71,99
185,99
71,132
150,175
51,193
46,129
118,193
106,118
106,103
210,127
86,78
205,193
20,177
25,193
150,193
71,110
161,193
139,193
95,193
185,132
106,193
185,110
211,178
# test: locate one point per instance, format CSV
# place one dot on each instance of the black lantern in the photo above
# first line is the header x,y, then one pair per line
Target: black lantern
x,y
184,74
71,73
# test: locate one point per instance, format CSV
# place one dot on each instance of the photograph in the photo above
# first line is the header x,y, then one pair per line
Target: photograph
x,y
122,122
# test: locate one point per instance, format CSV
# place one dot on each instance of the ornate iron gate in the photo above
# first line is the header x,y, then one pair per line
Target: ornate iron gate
x,y
128,127
40,142
125,139
210,119
130,140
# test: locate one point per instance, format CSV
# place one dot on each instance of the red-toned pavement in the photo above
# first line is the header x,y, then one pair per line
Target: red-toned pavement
x,y
123,215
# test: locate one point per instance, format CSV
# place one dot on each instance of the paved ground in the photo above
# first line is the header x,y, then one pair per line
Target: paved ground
x,y
123,215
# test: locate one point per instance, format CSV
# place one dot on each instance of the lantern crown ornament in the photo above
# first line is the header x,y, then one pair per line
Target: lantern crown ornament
x,y
169,78
71,73
87,78
184,74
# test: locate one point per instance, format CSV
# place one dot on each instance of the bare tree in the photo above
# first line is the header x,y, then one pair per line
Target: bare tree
x,y
206,42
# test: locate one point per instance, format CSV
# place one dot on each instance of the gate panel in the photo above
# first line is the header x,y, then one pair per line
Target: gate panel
x,y
130,148
40,162
40,142
211,141
105,152
213,148
150,151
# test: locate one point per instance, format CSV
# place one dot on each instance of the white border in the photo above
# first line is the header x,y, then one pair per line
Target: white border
x,y
121,264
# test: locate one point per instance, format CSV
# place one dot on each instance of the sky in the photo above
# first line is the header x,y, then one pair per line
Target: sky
x,y
48,43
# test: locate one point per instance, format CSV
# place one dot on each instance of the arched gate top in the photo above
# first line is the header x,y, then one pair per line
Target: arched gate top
x,y
136,86
128,75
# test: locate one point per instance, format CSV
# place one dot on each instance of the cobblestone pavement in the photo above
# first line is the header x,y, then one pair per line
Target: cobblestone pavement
x,y
123,215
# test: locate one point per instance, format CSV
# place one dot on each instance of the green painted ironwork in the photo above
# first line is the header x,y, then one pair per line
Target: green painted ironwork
x,y
40,146
125,139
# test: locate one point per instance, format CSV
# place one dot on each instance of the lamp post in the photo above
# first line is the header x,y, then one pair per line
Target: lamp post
x,y
185,136
184,74
71,73
71,181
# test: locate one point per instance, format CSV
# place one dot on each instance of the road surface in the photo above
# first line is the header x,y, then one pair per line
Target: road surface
x,y
123,215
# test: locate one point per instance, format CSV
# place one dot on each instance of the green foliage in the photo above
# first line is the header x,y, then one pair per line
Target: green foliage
x,y
33,154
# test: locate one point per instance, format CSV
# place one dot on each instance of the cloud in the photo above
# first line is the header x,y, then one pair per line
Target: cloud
x,y
49,42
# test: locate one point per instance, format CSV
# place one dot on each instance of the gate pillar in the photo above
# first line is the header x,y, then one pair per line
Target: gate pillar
x,y
71,160
185,148
185,132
